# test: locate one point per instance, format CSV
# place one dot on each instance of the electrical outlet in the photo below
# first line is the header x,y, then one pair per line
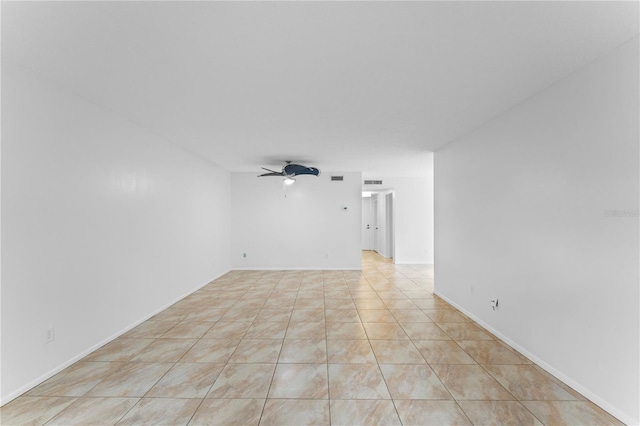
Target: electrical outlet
x,y
494,303
49,334
326,255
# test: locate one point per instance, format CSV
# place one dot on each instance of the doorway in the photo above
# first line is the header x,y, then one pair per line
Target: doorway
x,y
377,223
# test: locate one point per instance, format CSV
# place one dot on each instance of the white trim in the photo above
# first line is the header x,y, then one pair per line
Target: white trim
x,y
296,268
86,352
591,396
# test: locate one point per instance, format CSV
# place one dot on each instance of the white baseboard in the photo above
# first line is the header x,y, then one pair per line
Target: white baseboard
x,y
290,268
591,396
69,362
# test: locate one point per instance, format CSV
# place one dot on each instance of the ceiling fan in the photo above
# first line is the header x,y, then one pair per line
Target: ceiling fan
x,y
290,171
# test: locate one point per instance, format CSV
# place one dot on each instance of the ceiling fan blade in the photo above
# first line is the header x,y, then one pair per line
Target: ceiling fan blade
x,y
309,171
269,170
272,174
292,169
297,169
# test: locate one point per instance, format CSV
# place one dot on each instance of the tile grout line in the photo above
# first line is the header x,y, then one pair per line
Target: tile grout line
x,y
275,368
393,401
326,346
216,379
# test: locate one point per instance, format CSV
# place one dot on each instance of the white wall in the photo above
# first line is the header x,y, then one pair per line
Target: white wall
x,y
103,224
413,209
521,215
306,230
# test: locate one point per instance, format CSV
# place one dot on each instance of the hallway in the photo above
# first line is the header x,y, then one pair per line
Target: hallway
x,y
307,347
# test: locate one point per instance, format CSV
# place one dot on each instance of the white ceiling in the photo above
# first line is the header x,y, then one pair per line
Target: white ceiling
x,y
343,86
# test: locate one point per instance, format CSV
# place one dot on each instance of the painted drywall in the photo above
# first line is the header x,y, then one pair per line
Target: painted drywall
x,y
103,224
316,226
413,210
539,208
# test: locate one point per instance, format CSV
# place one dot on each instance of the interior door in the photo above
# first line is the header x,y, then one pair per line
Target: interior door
x,y
366,223
374,224
389,225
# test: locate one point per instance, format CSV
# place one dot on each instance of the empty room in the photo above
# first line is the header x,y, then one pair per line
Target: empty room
x,y
323,213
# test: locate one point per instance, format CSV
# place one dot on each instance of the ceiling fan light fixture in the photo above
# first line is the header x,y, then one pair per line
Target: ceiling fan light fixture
x,y
289,180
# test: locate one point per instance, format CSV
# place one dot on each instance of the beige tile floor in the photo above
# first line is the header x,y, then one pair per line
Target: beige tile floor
x,y
313,347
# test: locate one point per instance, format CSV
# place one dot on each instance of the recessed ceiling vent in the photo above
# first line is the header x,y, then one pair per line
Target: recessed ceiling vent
x,y
338,178
373,182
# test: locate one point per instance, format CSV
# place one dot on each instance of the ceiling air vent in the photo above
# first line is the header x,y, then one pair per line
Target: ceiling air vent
x,y
373,182
339,178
